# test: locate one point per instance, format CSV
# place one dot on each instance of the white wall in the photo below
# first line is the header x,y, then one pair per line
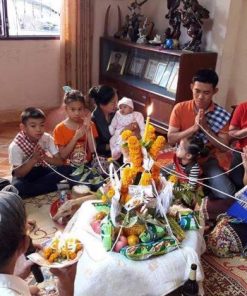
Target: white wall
x,y
237,85
29,73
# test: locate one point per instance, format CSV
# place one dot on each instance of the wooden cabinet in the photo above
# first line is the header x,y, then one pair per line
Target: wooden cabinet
x,y
146,74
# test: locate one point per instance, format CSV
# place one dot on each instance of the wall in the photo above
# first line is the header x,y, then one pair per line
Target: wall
x,y
237,86
30,69
29,74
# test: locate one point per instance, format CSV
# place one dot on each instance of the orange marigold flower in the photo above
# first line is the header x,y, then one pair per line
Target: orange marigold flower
x,y
111,193
158,145
173,179
133,141
104,198
146,179
126,134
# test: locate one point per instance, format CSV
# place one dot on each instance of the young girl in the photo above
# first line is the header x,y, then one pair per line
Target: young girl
x,y
73,135
185,159
125,118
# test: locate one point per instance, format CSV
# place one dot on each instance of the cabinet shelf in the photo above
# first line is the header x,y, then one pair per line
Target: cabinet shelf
x,y
147,73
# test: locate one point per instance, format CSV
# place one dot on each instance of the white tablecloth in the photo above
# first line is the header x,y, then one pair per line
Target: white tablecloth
x,y
111,274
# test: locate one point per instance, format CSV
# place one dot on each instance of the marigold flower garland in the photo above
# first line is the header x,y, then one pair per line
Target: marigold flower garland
x,y
133,146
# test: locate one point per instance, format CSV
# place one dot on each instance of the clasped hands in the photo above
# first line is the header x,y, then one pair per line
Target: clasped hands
x,y
39,154
82,129
200,120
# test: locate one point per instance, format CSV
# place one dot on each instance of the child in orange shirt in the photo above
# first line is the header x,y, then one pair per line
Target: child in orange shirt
x,y
73,135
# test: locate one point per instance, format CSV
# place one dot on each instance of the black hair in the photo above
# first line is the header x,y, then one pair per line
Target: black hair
x,y
118,55
196,147
13,225
206,76
32,112
102,94
73,96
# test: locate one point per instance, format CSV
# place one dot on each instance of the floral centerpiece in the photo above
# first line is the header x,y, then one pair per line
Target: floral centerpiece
x,y
137,223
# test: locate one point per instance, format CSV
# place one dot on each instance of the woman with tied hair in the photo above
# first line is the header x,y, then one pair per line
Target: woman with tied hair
x,y
105,98
14,242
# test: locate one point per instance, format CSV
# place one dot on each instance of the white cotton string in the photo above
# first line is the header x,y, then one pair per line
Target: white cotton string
x,y
65,177
156,194
97,157
95,151
168,170
116,240
221,174
216,140
167,221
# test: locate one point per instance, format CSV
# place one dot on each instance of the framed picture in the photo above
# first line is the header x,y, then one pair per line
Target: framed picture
x,y
117,62
173,86
173,79
166,74
136,66
161,68
151,69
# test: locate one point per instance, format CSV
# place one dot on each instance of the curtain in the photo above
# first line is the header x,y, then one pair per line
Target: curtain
x,y
76,43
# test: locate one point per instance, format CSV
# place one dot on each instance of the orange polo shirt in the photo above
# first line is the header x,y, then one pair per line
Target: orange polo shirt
x,y
63,135
183,117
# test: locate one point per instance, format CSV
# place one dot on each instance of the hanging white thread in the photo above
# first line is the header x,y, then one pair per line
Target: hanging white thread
x,y
216,140
168,170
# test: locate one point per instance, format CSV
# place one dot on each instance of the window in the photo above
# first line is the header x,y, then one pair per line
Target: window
x,y
29,18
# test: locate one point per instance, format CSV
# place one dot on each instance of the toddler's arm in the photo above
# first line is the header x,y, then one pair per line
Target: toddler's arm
x,y
113,125
193,176
140,121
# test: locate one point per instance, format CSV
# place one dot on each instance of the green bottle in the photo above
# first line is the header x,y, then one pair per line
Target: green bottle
x,y
191,287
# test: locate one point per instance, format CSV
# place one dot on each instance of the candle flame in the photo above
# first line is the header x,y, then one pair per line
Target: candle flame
x,y
149,109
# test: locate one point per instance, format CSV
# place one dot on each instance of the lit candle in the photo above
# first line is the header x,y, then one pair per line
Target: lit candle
x,y
149,111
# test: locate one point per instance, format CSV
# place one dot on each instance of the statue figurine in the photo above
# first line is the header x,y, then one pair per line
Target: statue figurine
x,y
142,33
191,17
174,17
142,37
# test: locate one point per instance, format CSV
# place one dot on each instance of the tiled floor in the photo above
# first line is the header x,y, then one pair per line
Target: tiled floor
x,y
7,133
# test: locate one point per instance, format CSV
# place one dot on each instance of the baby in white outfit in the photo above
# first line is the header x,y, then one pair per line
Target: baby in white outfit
x,y
124,118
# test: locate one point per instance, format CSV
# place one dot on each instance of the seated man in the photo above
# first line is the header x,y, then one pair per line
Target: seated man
x,y
238,131
30,152
208,121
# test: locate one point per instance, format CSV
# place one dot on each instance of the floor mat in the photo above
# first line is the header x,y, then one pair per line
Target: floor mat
x,y
38,209
224,276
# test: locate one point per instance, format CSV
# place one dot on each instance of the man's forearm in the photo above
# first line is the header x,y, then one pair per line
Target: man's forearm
x,y
216,140
238,133
25,168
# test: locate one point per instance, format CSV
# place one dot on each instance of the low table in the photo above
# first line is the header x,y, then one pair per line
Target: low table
x,y
109,273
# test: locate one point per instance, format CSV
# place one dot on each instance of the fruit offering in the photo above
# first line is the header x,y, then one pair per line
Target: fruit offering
x,y
60,249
